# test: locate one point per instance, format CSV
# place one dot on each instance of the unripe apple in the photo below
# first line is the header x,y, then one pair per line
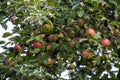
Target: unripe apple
x,y
90,32
94,63
80,22
105,42
48,47
17,48
71,66
60,35
42,35
52,38
116,31
37,44
28,52
50,61
103,3
85,53
47,28
72,43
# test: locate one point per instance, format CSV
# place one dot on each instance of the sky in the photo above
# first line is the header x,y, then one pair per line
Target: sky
x,y
9,29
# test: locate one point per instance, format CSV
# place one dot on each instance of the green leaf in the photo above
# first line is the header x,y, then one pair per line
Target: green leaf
x,y
97,59
2,42
81,13
4,25
30,40
6,34
38,38
117,65
36,50
112,75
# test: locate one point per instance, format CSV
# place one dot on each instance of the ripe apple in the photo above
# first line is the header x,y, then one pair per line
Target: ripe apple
x,y
90,32
37,44
28,52
17,48
47,28
52,38
72,43
105,42
50,61
85,53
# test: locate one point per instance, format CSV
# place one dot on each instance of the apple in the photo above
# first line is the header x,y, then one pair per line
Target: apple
x,y
90,32
52,38
94,63
105,42
85,53
42,35
17,48
50,61
71,66
60,35
47,28
80,22
37,44
13,18
116,31
48,47
28,52
72,43
103,3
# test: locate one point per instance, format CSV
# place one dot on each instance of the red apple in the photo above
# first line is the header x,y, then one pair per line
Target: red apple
x,y
90,31
85,53
50,61
37,44
105,42
17,48
52,38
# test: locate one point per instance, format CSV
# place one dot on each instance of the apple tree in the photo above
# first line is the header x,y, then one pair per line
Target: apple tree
x,y
52,36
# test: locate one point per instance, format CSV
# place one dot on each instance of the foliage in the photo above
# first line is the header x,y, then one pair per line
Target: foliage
x,y
60,26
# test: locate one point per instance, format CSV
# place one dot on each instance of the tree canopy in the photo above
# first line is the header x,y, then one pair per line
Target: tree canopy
x,y
51,36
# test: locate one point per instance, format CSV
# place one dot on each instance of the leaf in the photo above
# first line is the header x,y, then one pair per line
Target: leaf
x,y
38,38
81,13
2,42
114,54
6,34
36,50
31,39
112,75
97,59
117,65
4,26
